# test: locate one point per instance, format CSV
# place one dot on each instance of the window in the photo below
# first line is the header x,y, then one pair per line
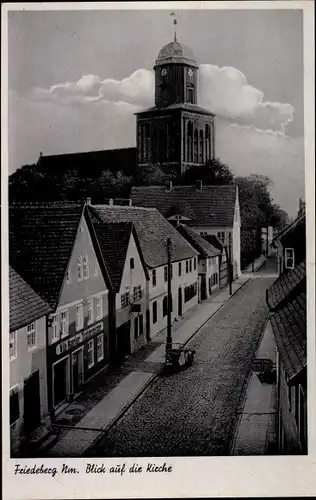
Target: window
x,y
132,263
141,324
289,258
165,272
12,346
221,236
79,317
190,292
190,265
203,233
90,312
154,277
64,323
54,325
187,266
165,306
136,328
194,263
190,96
124,300
98,308
85,267
100,347
137,292
68,276
179,269
14,405
79,269
155,312
31,336
90,353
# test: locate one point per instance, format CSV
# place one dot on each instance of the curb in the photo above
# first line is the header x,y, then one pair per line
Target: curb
x,y
151,379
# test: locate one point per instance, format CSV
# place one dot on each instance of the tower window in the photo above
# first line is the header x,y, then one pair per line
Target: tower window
x,y
190,97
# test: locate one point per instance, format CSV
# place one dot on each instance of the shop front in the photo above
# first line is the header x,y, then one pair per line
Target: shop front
x,y
75,360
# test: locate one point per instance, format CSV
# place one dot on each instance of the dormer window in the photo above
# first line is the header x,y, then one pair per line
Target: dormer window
x,y
289,258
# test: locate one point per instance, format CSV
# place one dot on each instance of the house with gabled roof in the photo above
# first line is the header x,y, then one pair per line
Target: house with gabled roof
x,y
122,256
208,261
27,353
291,244
52,249
152,231
205,209
286,300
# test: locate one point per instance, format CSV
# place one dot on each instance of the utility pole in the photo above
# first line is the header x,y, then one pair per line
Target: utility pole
x,y
253,250
169,300
230,267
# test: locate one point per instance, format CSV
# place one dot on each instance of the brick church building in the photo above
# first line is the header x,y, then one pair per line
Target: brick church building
x,y
175,133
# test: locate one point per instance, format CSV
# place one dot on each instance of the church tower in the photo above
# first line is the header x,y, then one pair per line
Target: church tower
x,y
175,133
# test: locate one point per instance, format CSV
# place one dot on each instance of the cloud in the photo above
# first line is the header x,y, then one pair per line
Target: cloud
x,y
224,91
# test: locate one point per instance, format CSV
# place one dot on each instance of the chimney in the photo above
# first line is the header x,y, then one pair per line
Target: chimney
x,y
88,201
111,201
168,186
130,202
199,185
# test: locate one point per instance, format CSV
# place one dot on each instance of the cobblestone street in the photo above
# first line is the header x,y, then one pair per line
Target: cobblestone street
x,y
194,412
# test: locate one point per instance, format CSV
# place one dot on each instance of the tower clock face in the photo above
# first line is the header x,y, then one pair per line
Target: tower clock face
x,y
163,72
190,73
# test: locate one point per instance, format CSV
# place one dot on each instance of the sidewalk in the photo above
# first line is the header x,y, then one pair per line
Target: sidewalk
x,y
111,393
258,262
256,431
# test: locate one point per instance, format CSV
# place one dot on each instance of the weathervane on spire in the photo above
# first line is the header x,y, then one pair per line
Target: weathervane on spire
x,y
174,25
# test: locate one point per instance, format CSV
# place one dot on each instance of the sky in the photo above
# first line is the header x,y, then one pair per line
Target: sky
x,y
76,78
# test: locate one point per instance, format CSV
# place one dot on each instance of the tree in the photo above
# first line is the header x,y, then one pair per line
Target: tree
x,y
151,175
213,173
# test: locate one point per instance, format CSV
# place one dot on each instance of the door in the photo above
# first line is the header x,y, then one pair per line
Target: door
x,y
124,340
60,377
203,287
179,301
32,409
77,370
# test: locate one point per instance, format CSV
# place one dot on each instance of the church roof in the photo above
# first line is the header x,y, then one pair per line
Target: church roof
x,y
175,53
213,206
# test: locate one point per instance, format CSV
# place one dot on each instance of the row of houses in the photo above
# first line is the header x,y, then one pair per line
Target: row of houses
x,y
287,303
88,286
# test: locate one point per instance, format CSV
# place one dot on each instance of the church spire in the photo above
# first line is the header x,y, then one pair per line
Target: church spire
x,y
174,25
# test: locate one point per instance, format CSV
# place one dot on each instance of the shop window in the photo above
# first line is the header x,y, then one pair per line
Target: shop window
x,y
79,317
155,312
289,258
64,323
13,345
31,335
85,267
90,353
98,308
124,300
165,307
14,405
100,347
90,312
154,277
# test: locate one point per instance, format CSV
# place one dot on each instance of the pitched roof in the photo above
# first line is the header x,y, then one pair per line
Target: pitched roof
x,y
41,238
204,248
298,222
152,231
285,285
94,162
213,206
213,240
25,305
113,239
289,327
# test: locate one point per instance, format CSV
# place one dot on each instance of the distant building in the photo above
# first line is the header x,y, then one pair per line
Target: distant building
x,y
208,261
286,300
52,249
28,370
223,259
152,232
208,210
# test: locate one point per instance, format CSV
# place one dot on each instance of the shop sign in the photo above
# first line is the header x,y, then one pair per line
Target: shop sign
x,y
93,330
68,344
